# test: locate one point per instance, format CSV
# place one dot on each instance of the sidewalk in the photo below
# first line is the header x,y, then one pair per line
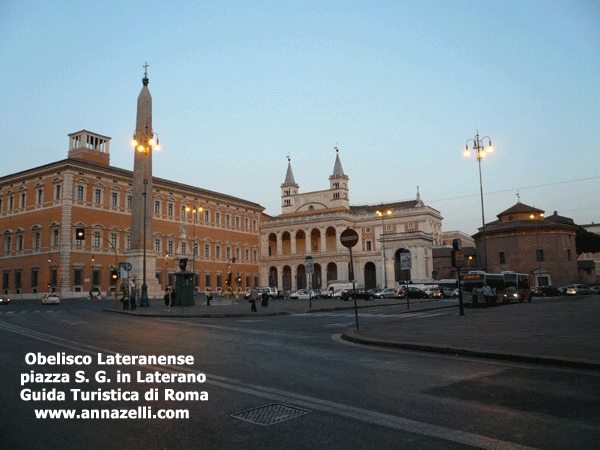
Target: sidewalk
x,y
560,331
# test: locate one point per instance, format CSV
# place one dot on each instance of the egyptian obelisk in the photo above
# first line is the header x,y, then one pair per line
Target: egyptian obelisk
x,y
142,257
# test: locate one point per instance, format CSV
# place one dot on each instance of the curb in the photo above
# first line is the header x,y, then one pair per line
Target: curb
x,y
198,316
351,336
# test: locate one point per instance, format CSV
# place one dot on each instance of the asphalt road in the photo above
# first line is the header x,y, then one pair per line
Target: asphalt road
x,y
280,382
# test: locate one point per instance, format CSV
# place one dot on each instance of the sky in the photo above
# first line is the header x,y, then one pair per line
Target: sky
x,y
398,86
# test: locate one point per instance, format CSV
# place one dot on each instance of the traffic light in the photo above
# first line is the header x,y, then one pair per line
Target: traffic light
x,y
80,234
228,281
114,274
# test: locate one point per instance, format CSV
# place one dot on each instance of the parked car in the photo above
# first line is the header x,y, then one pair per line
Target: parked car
x,y
595,289
270,291
50,299
434,292
545,291
386,293
578,289
347,294
4,300
411,292
454,293
301,294
337,294
95,293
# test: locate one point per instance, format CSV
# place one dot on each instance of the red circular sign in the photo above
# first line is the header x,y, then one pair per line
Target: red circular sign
x,y
349,238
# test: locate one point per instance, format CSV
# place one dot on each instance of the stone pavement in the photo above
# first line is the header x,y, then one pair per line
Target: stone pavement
x,y
557,331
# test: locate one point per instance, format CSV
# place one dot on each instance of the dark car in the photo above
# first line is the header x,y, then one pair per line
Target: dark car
x,y
4,300
411,292
545,291
347,294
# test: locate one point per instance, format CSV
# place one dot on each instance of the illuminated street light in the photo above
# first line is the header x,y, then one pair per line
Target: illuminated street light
x,y
481,151
195,210
382,214
538,252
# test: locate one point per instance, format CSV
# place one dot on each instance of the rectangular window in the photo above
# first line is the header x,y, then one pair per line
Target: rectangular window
x,y
23,198
11,203
7,244
96,278
502,258
218,218
368,245
170,209
156,207
57,192
37,238
206,216
157,245
246,224
228,253
368,230
34,278
78,277
207,280
228,220
55,238
207,251
80,193
128,243
254,225
539,254
40,196
217,251
113,239
170,247
247,255
183,212
97,196
183,248
96,240
20,243
129,201
114,199
237,222
195,250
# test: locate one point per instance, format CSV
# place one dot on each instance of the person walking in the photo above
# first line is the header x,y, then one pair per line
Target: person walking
x,y
208,296
253,298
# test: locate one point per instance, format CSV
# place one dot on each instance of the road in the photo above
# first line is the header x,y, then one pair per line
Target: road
x,y
279,382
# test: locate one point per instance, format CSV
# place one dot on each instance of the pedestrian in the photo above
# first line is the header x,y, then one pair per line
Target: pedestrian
x,y
488,295
173,298
208,296
133,298
475,295
253,298
167,299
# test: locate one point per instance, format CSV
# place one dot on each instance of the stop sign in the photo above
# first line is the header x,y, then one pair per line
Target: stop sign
x,y
349,238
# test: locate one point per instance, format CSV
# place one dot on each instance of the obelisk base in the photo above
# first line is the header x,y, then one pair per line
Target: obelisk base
x,y
136,275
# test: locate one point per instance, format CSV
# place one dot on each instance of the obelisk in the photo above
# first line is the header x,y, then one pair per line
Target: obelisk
x,y
141,254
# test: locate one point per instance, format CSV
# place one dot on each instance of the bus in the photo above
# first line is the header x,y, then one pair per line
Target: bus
x,y
516,286
508,285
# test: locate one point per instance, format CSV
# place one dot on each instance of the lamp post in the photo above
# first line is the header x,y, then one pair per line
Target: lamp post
x,y
166,271
195,212
481,151
381,213
538,252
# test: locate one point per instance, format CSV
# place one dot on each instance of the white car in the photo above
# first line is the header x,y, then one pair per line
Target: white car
x,y
51,299
302,294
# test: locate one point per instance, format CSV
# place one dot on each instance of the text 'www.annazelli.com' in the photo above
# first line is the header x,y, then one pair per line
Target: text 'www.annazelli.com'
x,y
141,412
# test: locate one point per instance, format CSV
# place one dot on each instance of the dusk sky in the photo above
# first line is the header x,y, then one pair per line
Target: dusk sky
x,y
397,86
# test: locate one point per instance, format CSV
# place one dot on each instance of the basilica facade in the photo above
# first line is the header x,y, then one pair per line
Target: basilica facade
x,y
395,239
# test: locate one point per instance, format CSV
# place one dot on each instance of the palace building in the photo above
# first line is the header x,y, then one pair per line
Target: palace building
x,y
41,208
395,239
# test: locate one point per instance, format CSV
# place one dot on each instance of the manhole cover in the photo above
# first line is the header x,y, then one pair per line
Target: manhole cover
x,y
270,414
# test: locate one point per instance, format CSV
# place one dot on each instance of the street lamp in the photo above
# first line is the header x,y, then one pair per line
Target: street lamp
x,y
382,215
144,141
538,252
166,271
195,211
481,151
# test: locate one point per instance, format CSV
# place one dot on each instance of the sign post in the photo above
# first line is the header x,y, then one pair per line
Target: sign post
x,y
309,270
458,261
349,238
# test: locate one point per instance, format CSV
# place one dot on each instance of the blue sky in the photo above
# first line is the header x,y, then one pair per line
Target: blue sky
x,y
398,86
